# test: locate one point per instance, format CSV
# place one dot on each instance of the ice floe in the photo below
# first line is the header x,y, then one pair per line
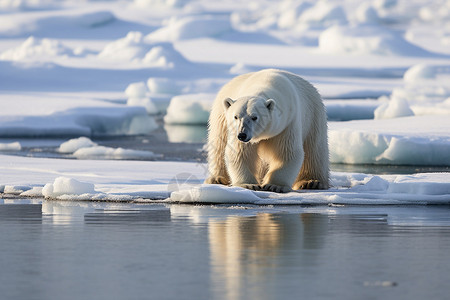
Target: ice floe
x,y
164,181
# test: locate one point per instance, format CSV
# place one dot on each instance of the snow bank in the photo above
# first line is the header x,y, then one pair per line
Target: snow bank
x,y
74,144
189,109
191,27
37,49
137,96
134,49
214,194
418,140
69,186
367,39
15,146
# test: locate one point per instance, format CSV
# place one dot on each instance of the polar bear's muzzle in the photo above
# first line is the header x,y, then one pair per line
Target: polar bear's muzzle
x,y
243,137
243,132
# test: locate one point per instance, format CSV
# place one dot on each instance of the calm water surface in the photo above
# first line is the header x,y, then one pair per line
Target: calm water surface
x,y
88,250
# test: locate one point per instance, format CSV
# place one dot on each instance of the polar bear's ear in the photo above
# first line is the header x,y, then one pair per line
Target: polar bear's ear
x,y
227,102
270,104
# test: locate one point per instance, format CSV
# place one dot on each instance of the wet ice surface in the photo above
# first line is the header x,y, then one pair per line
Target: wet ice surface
x,y
68,250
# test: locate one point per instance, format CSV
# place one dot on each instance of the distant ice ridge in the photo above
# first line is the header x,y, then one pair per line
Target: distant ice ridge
x,y
160,3
367,39
191,27
65,117
133,48
84,148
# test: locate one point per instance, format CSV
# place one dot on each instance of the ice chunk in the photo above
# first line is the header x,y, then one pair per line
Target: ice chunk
x,y
189,109
66,185
136,90
74,144
15,146
101,152
136,93
417,140
215,194
373,184
393,109
421,72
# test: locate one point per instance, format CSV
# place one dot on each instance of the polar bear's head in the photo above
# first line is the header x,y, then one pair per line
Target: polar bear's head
x,y
248,117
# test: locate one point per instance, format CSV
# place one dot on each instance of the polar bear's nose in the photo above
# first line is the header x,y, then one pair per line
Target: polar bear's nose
x,y
242,137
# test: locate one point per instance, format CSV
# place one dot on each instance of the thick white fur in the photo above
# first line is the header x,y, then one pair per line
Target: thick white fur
x,y
287,145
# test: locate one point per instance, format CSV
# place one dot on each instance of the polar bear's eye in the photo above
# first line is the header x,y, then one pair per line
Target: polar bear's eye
x,y
235,117
254,118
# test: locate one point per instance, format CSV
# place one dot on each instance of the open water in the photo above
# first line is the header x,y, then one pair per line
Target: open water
x,y
89,250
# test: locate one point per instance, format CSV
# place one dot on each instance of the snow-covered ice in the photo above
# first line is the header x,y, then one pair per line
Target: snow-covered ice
x,y
181,182
416,140
72,69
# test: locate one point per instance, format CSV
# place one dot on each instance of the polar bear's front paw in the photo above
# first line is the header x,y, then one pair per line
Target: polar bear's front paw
x,y
217,180
276,188
308,185
254,187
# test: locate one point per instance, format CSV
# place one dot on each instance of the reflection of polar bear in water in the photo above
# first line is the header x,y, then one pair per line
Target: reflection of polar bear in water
x,y
268,131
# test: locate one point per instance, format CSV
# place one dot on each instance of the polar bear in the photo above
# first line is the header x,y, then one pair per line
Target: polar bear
x,y
268,131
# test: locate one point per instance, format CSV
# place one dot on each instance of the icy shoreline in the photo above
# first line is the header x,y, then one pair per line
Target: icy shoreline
x,y
181,182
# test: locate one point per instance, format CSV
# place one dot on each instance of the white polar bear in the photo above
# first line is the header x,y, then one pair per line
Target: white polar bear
x,y
268,131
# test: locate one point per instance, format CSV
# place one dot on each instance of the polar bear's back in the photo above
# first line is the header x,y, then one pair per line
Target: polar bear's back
x,y
270,82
